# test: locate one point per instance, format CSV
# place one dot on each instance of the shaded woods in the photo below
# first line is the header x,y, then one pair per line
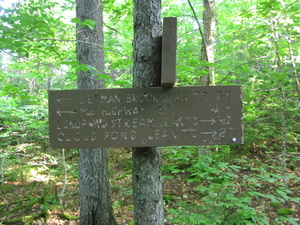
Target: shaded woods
x,y
256,46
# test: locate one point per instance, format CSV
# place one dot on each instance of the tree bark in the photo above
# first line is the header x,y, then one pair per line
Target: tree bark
x,y
207,50
95,202
147,184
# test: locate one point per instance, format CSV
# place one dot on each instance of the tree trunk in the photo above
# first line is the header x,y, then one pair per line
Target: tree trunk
x,y
207,50
147,184
95,203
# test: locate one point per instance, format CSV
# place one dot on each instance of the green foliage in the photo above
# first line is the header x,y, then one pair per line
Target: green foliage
x,y
87,22
15,117
285,212
257,47
220,202
118,36
227,195
68,216
261,63
289,220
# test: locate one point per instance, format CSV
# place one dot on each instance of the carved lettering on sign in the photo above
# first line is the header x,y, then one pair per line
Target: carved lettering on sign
x,y
145,117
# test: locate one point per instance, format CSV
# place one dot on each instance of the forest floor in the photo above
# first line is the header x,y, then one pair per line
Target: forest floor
x,y
32,185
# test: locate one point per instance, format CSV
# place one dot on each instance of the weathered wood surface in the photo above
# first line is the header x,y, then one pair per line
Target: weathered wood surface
x,y
169,42
146,117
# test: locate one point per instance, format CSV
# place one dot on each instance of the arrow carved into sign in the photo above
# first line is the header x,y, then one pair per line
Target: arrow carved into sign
x,y
211,121
126,118
61,100
60,112
213,133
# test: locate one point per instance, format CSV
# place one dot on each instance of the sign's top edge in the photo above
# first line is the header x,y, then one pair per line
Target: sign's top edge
x,y
174,87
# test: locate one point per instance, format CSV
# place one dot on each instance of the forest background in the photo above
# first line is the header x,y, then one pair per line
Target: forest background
x,y
257,46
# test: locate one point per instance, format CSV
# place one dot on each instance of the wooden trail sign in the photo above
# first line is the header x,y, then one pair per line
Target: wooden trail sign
x,y
139,117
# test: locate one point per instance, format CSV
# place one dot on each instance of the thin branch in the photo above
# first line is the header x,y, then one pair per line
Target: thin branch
x,y
293,61
284,136
65,40
289,5
2,158
253,61
65,179
111,28
200,30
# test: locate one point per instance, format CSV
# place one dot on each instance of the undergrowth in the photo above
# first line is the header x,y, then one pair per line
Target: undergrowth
x,y
234,190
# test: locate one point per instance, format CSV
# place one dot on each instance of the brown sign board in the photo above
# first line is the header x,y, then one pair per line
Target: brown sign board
x,y
168,60
139,117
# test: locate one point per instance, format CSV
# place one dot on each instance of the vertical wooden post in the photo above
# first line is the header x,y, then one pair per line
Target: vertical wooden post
x,y
169,41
